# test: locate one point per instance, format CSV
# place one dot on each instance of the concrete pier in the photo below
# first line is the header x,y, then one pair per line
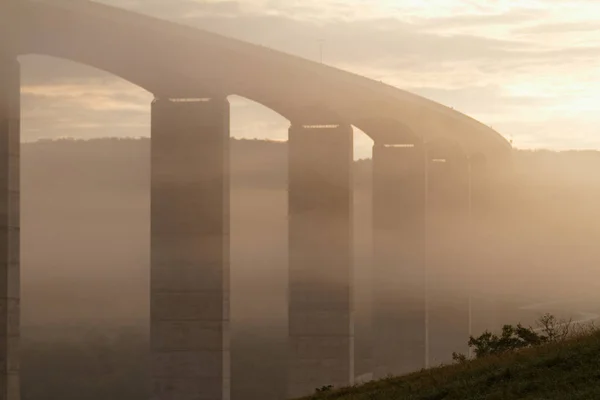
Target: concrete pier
x,y
481,239
321,332
449,278
399,182
9,228
190,249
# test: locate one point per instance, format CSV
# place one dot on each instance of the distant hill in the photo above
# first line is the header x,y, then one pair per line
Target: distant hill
x,y
125,163
255,163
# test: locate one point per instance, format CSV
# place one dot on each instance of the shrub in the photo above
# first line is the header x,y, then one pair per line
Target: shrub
x,y
324,389
459,357
512,338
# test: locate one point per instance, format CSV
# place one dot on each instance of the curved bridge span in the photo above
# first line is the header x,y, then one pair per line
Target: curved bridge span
x,y
176,61
191,72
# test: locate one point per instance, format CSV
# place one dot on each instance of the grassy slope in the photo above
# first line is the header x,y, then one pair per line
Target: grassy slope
x,y
569,370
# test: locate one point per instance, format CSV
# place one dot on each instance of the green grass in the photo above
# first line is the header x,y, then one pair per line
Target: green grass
x,y
569,370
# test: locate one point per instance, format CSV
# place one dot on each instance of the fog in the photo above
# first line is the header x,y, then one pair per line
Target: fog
x,y
85,251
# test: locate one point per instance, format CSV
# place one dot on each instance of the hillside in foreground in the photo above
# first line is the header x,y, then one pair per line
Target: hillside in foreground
x,y
565,371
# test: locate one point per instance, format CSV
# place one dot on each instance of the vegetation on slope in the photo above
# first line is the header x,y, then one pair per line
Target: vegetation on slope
x,y
563,367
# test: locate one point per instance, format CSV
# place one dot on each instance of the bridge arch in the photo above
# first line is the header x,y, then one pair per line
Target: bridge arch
x,y
388,131
170,60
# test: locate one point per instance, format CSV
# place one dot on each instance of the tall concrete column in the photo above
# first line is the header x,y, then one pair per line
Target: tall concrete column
x,y
9,228
321,331
484,306
399,179
189,292
448,266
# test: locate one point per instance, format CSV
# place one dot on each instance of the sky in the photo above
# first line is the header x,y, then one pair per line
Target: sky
x,y
528,68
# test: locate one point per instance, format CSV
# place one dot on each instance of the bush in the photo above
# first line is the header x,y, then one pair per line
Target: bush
x,y
324,389
459,357
513,338
554,329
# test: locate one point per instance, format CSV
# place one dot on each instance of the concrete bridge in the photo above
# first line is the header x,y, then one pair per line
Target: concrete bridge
x,y
191,72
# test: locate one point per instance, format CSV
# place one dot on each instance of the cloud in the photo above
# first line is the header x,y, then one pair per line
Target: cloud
x,y
564,28
511,18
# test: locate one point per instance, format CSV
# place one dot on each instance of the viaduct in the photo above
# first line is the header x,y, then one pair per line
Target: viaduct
x,y
191,72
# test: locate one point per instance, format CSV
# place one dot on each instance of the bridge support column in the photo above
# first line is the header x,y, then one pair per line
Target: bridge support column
x,y
399,181
9,228
189,309
448,256
484,305
321,331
